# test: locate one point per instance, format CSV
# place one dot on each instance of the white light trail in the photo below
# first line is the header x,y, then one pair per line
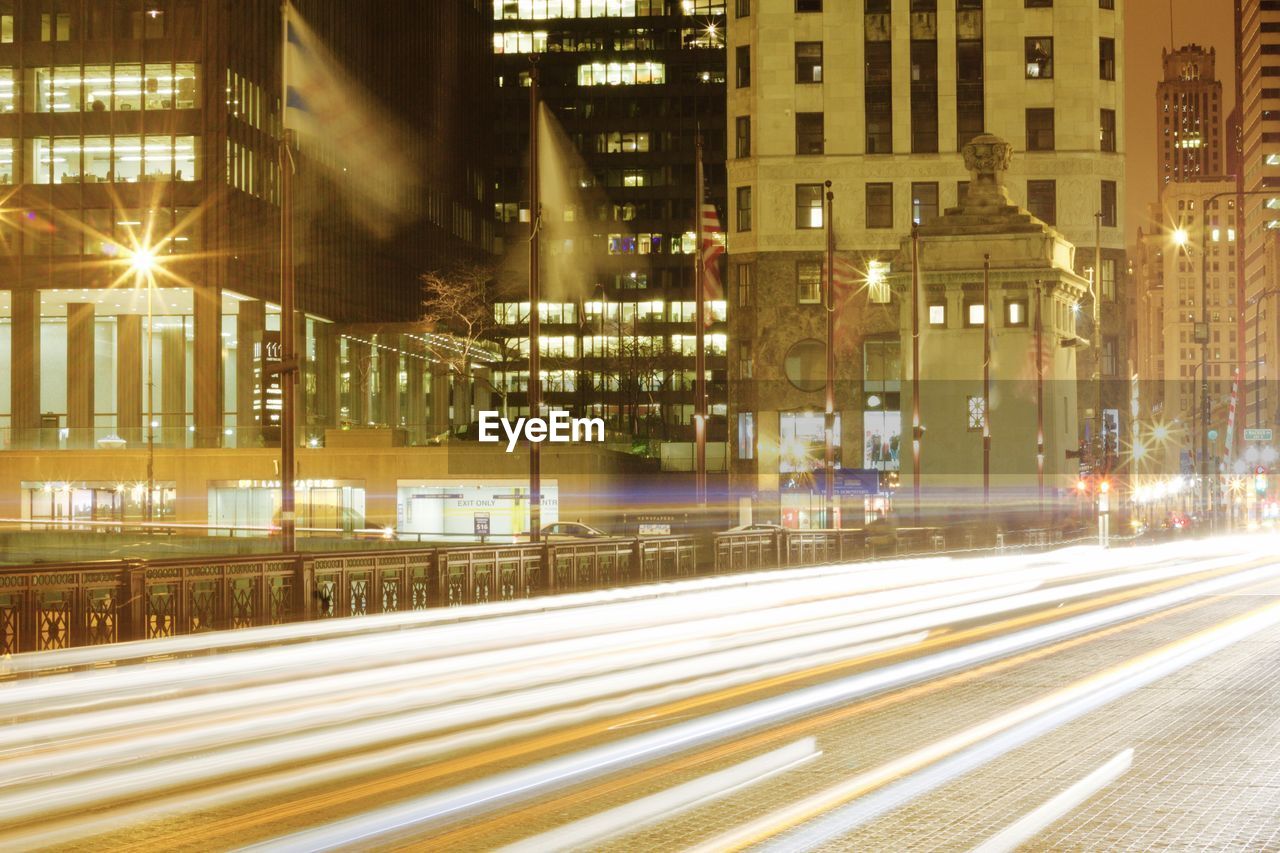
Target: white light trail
x,y
1045,815
663,805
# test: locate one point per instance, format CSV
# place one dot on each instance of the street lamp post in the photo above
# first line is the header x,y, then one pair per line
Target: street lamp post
x,y
142,262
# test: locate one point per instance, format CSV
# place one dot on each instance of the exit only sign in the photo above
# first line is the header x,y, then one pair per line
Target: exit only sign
x,y
1257,434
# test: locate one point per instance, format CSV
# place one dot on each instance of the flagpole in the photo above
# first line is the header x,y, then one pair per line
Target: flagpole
x,y
916,431
830,419
700,351
1040,397
986,383
288,355
535,357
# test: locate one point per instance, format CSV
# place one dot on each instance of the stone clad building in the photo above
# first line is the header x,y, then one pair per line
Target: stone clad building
x,y
880,98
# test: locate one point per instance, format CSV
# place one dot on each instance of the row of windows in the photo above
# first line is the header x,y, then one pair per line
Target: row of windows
x,y
567,41
809,207
102,233
924,66
65,20
102,88
621,73
105,159
811,135
545,10
608,311
743,7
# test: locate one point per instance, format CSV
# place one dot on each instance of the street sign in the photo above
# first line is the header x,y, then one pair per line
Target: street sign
x,y
1258,434
850,482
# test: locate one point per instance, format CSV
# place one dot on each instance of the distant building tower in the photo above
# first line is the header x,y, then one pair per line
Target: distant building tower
x,y
1189,116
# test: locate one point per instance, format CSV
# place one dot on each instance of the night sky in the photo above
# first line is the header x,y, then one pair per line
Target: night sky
x,y
1205,22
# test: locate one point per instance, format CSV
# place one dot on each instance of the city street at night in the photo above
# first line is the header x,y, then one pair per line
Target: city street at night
x,y
1111,699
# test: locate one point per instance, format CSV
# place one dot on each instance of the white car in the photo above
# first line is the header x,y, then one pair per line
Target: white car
x,y
563,530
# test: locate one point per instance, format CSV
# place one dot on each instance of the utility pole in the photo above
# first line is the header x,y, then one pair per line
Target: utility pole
x,y
535,300
916,429
830,422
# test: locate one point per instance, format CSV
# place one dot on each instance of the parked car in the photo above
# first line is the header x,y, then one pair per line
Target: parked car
x,y
757,527
563,530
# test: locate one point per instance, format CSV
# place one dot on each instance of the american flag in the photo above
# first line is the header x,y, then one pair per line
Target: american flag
x,y
845,282
711,252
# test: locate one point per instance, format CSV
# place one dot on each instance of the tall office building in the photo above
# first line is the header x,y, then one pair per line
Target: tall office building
x,y
629,84
1258,37
1189,116
879,98
153,128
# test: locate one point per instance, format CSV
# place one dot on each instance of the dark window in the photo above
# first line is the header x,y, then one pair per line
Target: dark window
x,y
1042,200
1109,356
924,5
1039,56
924,203
1038,4
743,8
809,205
879,205
746,284
1107,58
1106,4
808,62
1040,129
744,208
962,190
924,96
742,136
1107,132
878,7
970,96
878,97
809,133
742,61
1109,204
808,5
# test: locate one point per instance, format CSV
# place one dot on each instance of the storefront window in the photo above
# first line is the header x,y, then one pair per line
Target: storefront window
x,y
6,161
95,501
802,441
252,507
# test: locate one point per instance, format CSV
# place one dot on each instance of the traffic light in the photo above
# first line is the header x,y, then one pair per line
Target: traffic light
x,y
1260,480
1104,486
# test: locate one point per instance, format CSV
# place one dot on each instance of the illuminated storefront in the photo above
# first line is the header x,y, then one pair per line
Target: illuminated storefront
x,y
465,511
251,506
95,501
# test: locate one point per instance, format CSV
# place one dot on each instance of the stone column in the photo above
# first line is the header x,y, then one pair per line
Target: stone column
x,y
207,393
416,416
482,377
325,406
24,383
129,379
439,399
389,382
359,368
172,387
250,322
80,365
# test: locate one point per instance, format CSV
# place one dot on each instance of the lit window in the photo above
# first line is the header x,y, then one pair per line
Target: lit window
x,y
621,73
1015,312
937,314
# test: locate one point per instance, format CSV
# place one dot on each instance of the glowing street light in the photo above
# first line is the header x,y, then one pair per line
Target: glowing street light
x,y
1181,238
142,261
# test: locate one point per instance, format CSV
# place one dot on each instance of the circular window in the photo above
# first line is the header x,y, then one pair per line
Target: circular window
x,y
806,365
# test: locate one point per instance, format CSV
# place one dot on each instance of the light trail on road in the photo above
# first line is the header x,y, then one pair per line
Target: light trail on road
x,y
434,726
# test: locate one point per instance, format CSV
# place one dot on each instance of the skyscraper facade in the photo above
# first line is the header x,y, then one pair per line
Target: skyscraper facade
x,y
629,85
1189,116
134,131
